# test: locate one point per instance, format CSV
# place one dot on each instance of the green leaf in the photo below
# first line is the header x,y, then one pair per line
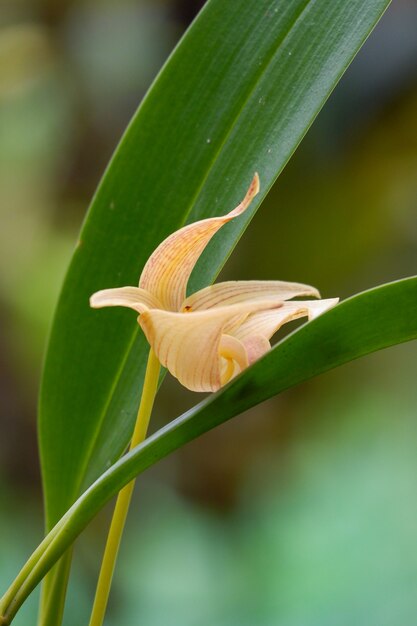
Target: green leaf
x,y
367,322
237,95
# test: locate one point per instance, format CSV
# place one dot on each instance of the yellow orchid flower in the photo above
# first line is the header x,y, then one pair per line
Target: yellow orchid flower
x,y
211,336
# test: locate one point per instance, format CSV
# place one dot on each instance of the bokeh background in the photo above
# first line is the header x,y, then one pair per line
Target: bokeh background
x,y
303,511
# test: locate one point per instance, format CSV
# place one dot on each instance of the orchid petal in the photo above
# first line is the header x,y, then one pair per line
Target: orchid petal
x,y
168,269
266,323
228,370
132,297
256,346
233,357
191,345
234,291
232,348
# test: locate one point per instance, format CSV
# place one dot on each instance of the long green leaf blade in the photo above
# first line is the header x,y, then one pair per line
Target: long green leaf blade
x,y
237,96
370,321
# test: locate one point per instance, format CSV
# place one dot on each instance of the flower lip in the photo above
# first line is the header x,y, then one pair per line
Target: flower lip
x,y
188,344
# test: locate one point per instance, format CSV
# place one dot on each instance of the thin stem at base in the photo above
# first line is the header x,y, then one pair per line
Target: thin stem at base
x,y
51,610
123,500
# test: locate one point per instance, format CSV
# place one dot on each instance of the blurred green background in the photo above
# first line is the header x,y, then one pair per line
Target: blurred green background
x,y
302,512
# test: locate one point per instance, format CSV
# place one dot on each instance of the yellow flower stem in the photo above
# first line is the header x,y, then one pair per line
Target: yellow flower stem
x,y
123,500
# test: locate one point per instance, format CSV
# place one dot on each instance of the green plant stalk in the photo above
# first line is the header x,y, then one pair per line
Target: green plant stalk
x,y
17,592
7,601
150,387
367,322
54,592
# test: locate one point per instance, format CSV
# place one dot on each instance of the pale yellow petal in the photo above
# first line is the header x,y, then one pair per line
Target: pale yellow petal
x,y
232,348
233,357
266,323
234,291
189,344
256,346
132,297
228,368
168,269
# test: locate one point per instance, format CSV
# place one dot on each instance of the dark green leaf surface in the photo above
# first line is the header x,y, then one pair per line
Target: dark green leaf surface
x,y
237,96
370,321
